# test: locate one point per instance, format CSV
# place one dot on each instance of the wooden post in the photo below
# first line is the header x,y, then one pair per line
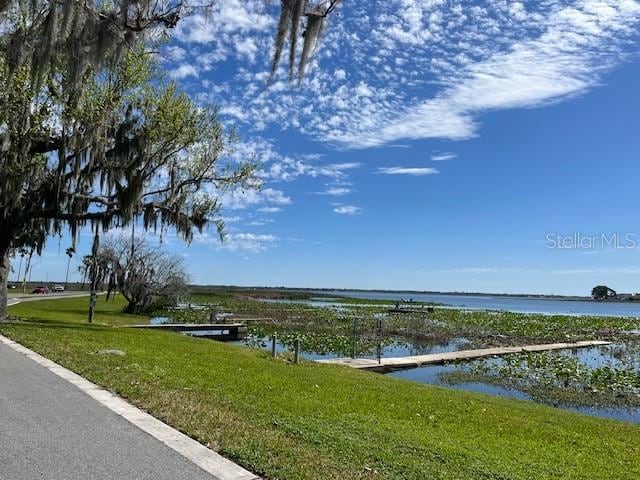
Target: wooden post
x,y
379,334
354,352
274,339
296,351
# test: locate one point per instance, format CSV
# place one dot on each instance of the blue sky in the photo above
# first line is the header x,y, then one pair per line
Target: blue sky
x,y
433,145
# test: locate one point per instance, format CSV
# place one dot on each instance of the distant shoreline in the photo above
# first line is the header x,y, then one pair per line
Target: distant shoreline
x,y
465,294
528,296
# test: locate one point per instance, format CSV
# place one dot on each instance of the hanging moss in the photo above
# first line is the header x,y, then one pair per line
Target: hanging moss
x,y
292,14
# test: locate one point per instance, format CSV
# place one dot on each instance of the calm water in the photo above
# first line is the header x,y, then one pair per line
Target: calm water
x,y
511,304
397,348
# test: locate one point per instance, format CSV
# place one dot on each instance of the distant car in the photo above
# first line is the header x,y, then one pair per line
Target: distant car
x,y
58,288
40,289
11,287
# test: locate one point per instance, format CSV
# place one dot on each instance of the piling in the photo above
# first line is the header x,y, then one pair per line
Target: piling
x,y
296,351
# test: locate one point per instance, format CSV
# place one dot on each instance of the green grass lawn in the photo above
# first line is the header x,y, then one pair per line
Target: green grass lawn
x,y
313,421
77,310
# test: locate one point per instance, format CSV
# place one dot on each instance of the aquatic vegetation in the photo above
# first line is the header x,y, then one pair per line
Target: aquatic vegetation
x,y
316,343
183,316
506,327
309,312
558,377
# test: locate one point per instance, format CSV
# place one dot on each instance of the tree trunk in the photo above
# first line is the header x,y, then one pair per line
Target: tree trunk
x,y
4,280
132,307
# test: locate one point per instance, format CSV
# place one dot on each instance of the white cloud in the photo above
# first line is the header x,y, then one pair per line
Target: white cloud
x,y
183,71
225,18
241,199
335,191
443,157
430,68
348,210
563,53
270,209
233,219
260,222
238,242
248,48
415,171
234,111
276,167
248,242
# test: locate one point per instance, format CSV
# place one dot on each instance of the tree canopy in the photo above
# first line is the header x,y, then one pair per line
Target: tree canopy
x,y
91,135
139,270
120,144
601,292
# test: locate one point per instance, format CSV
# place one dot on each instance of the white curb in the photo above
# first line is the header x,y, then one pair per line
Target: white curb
x,y
208,460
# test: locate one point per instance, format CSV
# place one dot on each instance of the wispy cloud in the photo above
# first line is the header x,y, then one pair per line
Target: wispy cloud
x,y
239,242
260,222
348,210
270,209
415,171
242,199
487,270
443,157
335,191
632,270
249,242
427,69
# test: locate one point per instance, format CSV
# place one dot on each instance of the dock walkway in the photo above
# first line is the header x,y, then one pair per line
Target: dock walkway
x,y
400,363
219,331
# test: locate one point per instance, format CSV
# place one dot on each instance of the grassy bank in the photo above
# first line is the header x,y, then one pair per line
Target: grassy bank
x,y
76,310
313,421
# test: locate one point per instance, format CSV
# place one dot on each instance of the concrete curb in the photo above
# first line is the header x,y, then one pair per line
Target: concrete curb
x,y
208,460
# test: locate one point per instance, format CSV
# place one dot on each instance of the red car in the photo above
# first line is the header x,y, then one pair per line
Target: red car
x,y
40,289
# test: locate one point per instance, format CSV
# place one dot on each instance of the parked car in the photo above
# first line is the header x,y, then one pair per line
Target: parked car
x,y
11,287
40,289
58,288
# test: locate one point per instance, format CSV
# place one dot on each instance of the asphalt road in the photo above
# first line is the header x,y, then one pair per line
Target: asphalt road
x,y
14,298
50,430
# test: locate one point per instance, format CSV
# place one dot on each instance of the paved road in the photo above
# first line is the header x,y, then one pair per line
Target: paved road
x,y
14,298
50,430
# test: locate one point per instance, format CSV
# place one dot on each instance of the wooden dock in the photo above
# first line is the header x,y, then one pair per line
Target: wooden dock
x,y
426,309
217,331
403,363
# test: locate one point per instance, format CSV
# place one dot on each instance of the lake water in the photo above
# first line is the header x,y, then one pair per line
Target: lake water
x,y
512,304
396,348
